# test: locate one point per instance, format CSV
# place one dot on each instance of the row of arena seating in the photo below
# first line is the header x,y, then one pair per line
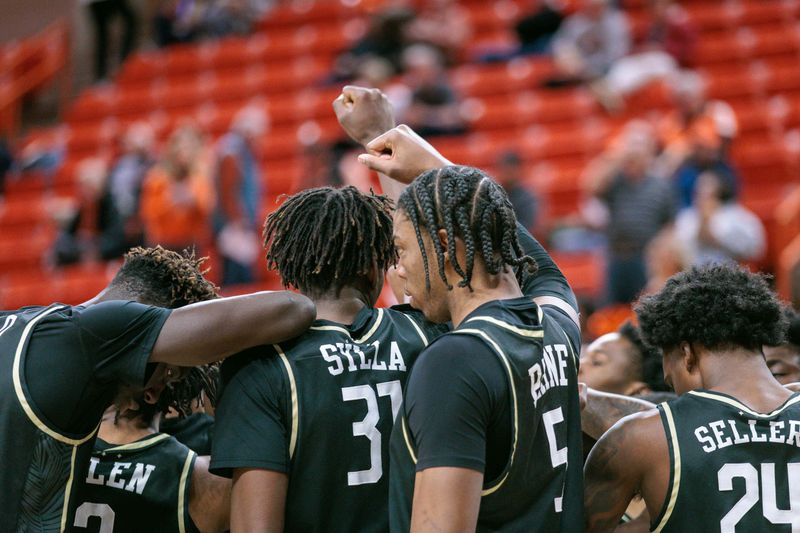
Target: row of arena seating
x,y
749,51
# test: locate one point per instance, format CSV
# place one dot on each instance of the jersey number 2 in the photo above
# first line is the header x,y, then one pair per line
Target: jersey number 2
x,y
769,503
101,510
369,426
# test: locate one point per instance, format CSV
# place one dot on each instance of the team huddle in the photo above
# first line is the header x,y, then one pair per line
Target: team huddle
x,y
459,410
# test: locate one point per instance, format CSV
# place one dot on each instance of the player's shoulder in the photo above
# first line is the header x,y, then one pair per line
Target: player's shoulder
x,y
637,432
256,360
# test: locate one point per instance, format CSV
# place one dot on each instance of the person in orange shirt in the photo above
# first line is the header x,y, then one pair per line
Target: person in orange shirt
x,y
177,196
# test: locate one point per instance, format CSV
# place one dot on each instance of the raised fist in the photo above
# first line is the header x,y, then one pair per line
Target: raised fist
x,y
363,113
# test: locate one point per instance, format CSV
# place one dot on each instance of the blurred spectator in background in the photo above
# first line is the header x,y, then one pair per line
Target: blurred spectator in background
x,y
6,162
237,178
386,38
784,360
639,206
587,45
45,155
103,13
434,107
91,228
696,136
663,260
511,175
443,24
670,43
127,176
717,228
535,30
177,196
621,363
182,21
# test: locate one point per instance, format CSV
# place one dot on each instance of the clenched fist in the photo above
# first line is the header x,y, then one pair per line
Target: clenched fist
x,y
363,113
402,155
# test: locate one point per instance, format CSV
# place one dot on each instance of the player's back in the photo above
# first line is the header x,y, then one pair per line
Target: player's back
x,y
335,391
732,469
39,461
141,486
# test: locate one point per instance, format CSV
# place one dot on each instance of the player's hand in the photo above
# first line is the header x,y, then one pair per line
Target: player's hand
x,y
402,155
363,113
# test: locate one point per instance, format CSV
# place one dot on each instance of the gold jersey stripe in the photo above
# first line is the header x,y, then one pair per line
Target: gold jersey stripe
x,y
182,491
295,406
739,405
536,334
140,444
507,365
676,471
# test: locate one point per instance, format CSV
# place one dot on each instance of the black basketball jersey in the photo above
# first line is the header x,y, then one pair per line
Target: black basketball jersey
x,y
39,462
135,487
541,486
324,408
732,469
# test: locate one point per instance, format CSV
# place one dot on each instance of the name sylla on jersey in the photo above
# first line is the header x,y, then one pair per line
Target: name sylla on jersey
x,y
356,359
550,371
125,476
723,433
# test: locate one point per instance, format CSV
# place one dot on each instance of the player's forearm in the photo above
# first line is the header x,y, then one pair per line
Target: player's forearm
x,y
603,410
549,280
209,331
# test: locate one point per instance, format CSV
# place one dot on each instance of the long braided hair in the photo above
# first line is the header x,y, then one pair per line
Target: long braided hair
x,y
469,205
326,238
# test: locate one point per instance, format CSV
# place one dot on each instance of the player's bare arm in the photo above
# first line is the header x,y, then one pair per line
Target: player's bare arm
x,y
208,331
794,387
602,410
258,500
620,466
446,500
209,499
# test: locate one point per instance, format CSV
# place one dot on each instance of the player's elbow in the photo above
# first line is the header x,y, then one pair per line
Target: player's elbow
x,y
292,317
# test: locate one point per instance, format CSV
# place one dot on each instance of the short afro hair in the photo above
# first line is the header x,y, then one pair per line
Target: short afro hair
x,y
163,278
652,371
719,307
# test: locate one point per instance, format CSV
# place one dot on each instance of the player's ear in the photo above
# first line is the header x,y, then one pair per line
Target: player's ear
x,y
689,356
442,234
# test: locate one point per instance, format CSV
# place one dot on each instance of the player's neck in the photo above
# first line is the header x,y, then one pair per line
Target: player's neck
x,y
342,307
116,429
745,376
485,288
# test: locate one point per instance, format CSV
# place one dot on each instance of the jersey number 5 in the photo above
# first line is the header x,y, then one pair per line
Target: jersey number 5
x,y
369,426
748,472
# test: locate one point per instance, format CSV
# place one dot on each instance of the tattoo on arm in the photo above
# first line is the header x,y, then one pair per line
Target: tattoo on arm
x,y
608,487
603,410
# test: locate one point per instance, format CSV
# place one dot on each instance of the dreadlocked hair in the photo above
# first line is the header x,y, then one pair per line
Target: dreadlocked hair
x,y
469,205
164,278
326,238
169,279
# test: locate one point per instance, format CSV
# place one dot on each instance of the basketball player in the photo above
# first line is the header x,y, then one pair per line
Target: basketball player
x,y
61,366
724,456
140,479
489,433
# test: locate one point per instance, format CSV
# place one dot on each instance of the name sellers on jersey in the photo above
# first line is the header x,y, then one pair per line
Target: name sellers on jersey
x,y
125,476
354,357
550,371
723,433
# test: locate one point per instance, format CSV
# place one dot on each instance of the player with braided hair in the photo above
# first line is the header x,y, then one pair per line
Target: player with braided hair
x,y
341,382
488,436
